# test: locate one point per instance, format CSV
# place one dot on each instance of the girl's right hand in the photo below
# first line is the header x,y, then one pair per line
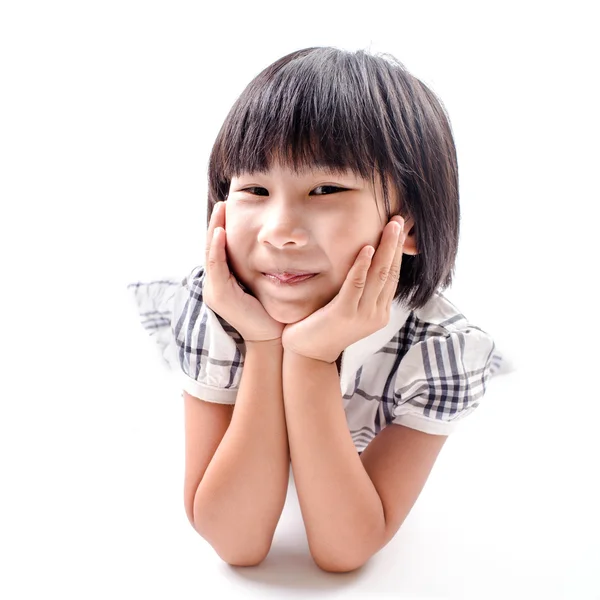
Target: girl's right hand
x,y
223,294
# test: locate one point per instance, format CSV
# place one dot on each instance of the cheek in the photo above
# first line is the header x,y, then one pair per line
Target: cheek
x,y
350,237
239,239
233,222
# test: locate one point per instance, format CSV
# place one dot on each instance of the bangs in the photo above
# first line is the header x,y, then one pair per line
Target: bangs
x,y
313,111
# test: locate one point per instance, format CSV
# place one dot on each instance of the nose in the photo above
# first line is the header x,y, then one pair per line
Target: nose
x,y
283,226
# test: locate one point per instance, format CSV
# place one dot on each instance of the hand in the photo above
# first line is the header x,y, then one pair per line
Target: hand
x,y
361,307
223,293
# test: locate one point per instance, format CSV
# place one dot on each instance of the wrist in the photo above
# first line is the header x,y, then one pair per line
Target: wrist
x,y
272,343
267,353
311,357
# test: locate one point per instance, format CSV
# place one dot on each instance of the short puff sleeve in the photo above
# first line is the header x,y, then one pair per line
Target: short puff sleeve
x,y
442,378
208,351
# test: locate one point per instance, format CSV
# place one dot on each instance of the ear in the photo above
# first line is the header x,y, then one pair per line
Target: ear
x,y
410,244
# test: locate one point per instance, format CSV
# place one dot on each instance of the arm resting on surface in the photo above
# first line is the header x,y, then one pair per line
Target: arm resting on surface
x,y
238,491
351,505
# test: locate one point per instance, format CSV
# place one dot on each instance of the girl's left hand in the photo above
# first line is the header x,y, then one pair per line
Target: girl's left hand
x,y
361,307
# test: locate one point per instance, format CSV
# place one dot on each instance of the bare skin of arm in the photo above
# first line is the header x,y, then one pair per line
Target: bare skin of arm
x,y
237,459
351,506
242,492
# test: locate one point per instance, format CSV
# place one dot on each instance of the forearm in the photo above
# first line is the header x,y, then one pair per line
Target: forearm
x,y
341,508
242,493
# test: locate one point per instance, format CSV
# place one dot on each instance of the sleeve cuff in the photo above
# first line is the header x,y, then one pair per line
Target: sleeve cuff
x,y
205,392
426,425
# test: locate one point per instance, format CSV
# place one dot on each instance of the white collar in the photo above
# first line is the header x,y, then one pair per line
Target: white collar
x,y
356,354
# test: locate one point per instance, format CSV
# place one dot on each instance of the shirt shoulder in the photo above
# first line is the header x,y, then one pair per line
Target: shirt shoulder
x,y
208,351
445,363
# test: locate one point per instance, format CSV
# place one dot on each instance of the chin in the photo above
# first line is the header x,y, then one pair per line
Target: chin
x,y
288,314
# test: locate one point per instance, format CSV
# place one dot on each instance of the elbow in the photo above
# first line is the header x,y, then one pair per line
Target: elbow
x,y
346,556
239,552
341,560
241,555
234,549
331,564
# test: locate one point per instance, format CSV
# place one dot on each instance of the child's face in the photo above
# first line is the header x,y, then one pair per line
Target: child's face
x,y
280,223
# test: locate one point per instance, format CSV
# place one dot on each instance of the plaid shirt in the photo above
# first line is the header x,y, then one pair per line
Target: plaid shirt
x,y
427,369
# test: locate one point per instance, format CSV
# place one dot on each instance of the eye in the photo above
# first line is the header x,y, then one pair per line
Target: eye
x,y
251,190
332,189
326,190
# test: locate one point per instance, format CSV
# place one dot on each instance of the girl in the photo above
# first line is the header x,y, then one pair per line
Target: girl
x,y
316,333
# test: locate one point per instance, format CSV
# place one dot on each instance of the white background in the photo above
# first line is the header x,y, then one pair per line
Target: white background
x,y
108,111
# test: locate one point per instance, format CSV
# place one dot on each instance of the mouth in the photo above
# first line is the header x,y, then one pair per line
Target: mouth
x,y
289,277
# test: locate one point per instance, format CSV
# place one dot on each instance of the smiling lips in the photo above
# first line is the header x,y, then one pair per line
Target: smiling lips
x,y
288,278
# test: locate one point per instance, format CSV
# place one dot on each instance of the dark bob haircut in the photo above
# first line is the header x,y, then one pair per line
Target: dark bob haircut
x,y
326,107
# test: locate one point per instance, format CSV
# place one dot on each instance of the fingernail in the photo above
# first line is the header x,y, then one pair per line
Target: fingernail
x,y
370,252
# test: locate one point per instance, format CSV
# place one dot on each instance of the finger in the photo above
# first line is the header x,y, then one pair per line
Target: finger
x,y
216,265
353,287
382,272
217,219
391,285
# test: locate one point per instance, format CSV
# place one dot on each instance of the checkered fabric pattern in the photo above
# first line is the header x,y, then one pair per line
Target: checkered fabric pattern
x,y
428,369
